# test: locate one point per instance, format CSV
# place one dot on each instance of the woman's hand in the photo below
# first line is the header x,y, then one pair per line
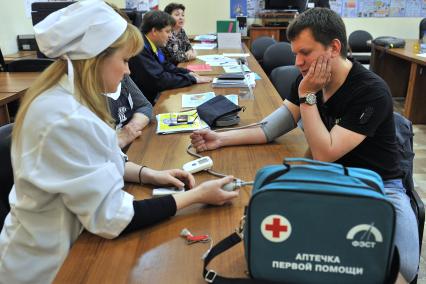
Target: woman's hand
x,y
209,192
177,178
190,54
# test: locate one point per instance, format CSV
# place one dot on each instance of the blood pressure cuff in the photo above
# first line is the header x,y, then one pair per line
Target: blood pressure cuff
x,y
217,108
315,223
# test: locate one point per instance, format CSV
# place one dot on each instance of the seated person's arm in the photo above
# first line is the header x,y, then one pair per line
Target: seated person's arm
x,y
153,210
175,56
141,104
142,113
277,123
206,139
191,54
165,76
328,146
132,130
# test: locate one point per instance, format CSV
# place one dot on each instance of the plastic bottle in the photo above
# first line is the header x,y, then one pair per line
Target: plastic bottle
x,y
423,43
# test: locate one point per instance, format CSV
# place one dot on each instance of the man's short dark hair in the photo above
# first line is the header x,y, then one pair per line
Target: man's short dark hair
x,y
173,6
325,25
157,20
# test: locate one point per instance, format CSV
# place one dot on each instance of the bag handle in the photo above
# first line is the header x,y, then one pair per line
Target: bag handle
x,y
315,162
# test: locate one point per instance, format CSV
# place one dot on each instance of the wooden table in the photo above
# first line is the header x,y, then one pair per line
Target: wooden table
x,y
216,70
12,87
158,254
405,73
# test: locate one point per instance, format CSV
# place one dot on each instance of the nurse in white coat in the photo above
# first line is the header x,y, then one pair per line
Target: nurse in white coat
x,y
69,171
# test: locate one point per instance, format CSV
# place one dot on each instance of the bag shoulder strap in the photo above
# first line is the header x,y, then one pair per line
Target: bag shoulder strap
x,y
211,276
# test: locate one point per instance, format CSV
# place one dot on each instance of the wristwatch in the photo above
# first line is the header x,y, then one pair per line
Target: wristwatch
x,y
310,99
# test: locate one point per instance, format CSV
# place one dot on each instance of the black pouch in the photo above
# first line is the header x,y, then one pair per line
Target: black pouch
x,y
217,108
389,42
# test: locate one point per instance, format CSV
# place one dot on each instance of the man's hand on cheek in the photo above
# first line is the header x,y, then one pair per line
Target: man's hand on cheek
x,y
318,76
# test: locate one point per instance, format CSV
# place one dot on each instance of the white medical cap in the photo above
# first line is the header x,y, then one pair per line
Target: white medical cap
x,y
79,31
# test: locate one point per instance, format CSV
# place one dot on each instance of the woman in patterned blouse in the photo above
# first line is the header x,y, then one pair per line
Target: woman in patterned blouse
x,y
178,48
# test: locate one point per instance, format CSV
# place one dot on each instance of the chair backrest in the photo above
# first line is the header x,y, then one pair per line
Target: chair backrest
x,y
404,135
3,66
278,54
260,44
6,172
422,28
283,77
29,65
134,16
358,41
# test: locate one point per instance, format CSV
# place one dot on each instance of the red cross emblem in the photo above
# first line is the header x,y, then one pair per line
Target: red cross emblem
x,y
275,228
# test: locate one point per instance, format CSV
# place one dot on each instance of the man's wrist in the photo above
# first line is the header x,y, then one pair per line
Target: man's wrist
x,y
222,139
310,98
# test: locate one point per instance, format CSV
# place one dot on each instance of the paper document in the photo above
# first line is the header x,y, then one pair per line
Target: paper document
x,y
201,46
232,98
205,38
233,68
199,67
236,54
171,122
229,40
217,60
194,100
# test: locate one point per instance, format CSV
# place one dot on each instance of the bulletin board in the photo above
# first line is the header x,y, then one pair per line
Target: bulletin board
x,y
347,8
379,8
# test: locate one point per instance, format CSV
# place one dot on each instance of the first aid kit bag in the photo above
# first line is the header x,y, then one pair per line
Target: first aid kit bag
x,y
317,223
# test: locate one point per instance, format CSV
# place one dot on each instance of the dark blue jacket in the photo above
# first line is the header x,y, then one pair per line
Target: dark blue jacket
x,y
153,74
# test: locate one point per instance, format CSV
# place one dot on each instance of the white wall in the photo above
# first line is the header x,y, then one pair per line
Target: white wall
x,y
201,16
13,22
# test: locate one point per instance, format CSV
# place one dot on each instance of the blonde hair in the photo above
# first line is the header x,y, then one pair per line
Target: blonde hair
x,y
87,79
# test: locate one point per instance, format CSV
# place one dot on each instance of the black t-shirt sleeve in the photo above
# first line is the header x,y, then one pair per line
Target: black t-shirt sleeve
x,y
371,108
294,92
150,211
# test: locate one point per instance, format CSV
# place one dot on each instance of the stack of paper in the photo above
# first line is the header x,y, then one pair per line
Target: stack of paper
x,y
236,54
194,100
205,37
169,122
248,82
201,46
217,60
235,68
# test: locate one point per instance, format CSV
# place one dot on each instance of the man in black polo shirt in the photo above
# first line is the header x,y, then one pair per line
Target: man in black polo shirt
x,y
347,116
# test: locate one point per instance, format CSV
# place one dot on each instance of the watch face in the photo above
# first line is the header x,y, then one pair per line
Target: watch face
x,y
311,99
